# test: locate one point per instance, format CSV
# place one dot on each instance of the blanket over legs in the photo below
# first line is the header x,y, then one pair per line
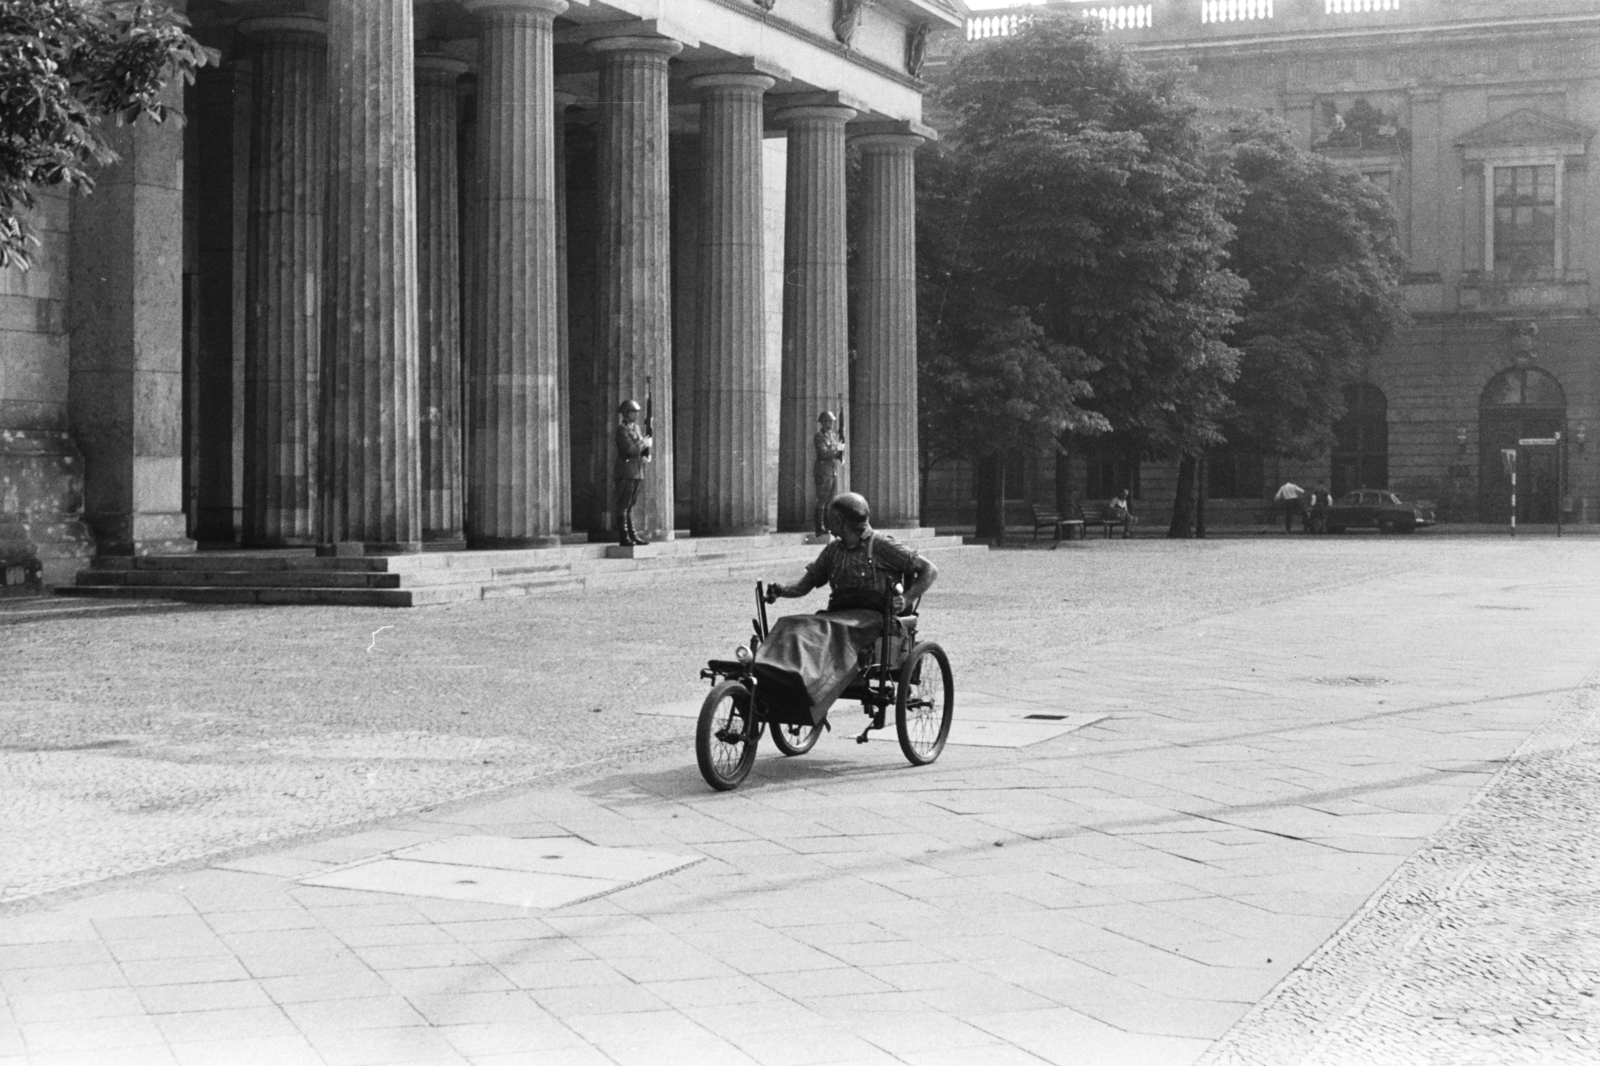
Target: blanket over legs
x,y
808,659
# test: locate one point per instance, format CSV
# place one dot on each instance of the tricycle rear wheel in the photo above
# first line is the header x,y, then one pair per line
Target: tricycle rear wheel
x,y
725,738
795,739
924,703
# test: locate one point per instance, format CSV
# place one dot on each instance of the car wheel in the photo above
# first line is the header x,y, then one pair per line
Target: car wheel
x,y
1385,526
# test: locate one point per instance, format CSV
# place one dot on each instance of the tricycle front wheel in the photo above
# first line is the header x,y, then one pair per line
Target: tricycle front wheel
x,y
726,736
795,739
924,704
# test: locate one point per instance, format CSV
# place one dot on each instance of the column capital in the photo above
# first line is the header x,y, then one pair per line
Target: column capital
x,y
758,82
904,134
586,33
438,69
276,27
689,71
512,7
664,46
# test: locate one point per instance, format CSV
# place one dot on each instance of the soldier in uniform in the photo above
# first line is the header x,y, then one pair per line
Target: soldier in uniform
x,y
633,451
829,446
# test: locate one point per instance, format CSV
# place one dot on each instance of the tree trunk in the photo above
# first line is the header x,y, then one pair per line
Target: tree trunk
x,y
1065,503
1183,500
991,496
1200,497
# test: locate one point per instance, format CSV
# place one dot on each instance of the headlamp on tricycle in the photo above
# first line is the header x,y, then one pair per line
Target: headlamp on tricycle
x,y
742,653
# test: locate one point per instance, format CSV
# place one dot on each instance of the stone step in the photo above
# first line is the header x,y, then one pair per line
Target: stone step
x,y
342,597
241,578
446,577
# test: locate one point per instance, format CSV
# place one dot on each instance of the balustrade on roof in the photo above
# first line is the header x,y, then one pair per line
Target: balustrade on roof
x,y
1177,20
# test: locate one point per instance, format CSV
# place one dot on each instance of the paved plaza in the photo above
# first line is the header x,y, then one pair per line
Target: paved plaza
x,y
1318,801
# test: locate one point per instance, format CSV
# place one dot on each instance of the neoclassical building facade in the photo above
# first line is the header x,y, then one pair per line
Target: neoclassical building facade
x,y
386,286
1477,117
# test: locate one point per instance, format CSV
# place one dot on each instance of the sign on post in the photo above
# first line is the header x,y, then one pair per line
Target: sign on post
x,y
1509,457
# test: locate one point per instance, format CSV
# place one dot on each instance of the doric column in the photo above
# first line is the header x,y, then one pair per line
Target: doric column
x,y
635,259
514,447
686,429
730,484
563,99
883,410
288,159
370,472
439,300
816,367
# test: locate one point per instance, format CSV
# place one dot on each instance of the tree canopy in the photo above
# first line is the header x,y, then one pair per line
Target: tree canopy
x,y
1320,247
1090,204
1098,257
64,66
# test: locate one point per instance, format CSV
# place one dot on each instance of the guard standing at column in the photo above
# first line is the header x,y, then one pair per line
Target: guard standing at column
x,y
829,447
633,451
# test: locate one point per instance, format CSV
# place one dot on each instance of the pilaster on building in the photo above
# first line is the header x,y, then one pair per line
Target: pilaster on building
x,y
388,291
1476,119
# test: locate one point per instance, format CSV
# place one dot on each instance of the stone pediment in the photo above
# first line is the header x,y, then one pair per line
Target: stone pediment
x,y
1527,128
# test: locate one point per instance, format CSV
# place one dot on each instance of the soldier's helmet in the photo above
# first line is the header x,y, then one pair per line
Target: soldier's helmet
x,y
626,406
827,416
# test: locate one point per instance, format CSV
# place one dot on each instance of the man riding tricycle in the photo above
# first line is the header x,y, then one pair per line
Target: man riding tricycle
x,y
862,648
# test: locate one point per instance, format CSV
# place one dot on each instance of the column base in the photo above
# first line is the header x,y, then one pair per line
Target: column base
x,y
759,530
141,534
444,544
354,549
246,541
512,543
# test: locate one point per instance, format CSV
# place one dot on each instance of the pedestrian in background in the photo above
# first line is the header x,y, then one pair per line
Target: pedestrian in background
x,y
1292,497
1321,500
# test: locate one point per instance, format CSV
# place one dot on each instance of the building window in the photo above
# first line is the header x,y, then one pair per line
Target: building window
x,y
1361,441
1383,179
1525,222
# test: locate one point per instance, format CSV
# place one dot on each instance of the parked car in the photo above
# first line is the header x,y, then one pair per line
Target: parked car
x,y
1377,509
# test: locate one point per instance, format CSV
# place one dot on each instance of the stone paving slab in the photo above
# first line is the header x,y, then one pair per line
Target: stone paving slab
x,y
1122,894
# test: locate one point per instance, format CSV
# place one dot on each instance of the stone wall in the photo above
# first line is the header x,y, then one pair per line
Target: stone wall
x,y
42,536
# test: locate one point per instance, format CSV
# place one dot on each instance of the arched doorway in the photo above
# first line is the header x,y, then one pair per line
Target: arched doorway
x,y
1361,441
1521,402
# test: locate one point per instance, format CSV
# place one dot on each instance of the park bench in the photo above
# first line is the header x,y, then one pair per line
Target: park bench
x,y
1048,519
1098,514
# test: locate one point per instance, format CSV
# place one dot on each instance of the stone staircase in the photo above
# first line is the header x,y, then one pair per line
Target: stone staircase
x,y
299,576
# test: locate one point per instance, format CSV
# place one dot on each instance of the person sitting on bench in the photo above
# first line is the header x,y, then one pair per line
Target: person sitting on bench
x,y
1117,511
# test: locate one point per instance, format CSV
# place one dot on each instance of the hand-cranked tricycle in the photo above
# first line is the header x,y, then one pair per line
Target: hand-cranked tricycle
x,y
897,670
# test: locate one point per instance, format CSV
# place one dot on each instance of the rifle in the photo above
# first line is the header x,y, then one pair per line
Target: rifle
x,y
649,415
841,418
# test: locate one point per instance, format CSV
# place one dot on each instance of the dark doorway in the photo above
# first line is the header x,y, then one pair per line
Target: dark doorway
x,y
1361,441
1524,402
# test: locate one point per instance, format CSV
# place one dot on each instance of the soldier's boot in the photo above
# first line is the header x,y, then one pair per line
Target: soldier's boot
x,y
624,534
634,533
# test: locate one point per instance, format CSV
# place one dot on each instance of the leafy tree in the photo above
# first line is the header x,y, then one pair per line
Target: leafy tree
x,y
991,382
64,66
1095,203
1320,247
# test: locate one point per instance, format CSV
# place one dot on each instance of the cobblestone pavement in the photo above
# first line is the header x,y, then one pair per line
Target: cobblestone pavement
x,y
1287,723
132,737
1483,948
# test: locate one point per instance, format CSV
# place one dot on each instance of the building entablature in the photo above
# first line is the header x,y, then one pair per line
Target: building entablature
x,y
871,52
